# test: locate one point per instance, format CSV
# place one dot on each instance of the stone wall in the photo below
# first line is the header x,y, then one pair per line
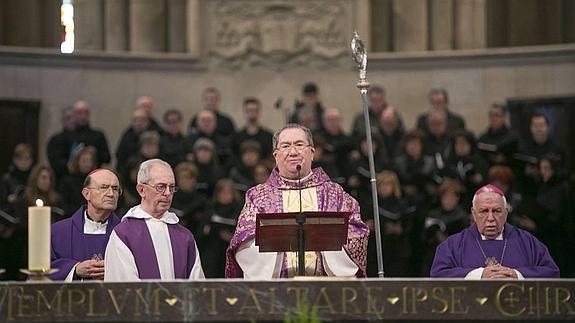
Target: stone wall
x,y
112,82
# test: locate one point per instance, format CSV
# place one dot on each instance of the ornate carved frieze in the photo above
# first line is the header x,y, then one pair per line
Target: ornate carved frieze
x,y
277,33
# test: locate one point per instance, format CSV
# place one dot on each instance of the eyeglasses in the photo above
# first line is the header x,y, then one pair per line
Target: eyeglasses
x,y
104,188
299,146
161,188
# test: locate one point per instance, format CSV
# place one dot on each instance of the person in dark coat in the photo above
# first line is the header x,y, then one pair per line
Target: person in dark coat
x,y
498,143
220,227
173,138
70,187
60,145
439,101
396,222
84,135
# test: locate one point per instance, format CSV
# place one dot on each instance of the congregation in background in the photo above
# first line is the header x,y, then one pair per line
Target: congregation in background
x,y
427,174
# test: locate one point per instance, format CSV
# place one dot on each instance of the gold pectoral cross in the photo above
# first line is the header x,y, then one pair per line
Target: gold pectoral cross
x,y
491,261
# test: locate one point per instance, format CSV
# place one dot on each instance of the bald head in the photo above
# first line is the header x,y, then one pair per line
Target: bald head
x,y
207,121
332,121
101,191
81,111
147,103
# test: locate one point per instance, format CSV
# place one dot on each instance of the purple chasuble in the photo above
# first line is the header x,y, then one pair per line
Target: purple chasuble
x,y
460,254
267,198
70,245
135,235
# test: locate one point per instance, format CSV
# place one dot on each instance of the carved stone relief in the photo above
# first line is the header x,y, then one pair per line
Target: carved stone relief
x,y
277,33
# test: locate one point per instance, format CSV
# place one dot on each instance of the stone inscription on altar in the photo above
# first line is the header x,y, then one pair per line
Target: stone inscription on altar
x,y
221,300
277,33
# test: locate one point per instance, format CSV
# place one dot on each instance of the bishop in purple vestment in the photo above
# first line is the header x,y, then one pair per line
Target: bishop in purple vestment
x,y
293,155
492,248
79,242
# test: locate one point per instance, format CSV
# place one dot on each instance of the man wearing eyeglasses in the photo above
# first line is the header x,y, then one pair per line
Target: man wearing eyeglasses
x,y
293,153
79,242
492,248
150,243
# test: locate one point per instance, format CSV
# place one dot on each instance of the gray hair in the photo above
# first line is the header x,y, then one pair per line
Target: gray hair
x,y
479,193
146,166
306,130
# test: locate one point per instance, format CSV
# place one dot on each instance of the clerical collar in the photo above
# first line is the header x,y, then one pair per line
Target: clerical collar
x,y
499,237
138,213
297,180
93,227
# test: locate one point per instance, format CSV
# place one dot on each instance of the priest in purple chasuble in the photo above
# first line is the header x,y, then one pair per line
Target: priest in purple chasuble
x,y
149,243
293,147
78,242
492,248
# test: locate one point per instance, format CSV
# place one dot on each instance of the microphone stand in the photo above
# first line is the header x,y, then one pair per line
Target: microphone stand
x,y
359,55
300,220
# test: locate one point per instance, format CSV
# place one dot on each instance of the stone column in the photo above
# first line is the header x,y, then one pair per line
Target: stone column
x,y
22,23
177,26
381,15
363,22
410,25
89,24
116,22
147,25
193,27
471,27
441,24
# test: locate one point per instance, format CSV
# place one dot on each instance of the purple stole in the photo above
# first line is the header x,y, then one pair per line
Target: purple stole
x,y
135,235
71,245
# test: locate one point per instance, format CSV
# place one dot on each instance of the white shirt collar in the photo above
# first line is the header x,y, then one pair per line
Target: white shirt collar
x,y
93,227
297,180
138,213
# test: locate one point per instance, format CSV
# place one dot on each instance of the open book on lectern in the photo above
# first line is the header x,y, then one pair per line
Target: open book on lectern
x,y
324,231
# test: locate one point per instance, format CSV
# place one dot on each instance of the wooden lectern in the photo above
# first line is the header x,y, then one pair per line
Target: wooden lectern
x,y
324,231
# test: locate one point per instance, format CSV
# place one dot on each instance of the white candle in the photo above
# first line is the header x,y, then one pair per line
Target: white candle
x,y
39,237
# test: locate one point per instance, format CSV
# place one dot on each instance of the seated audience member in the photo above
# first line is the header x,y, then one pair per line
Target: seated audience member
x,y
310,107
437,141
415,169
337,145
70,188
242,174
498,143
253,129
396,222
531,150
554,213
293,155
466,165
130,196
79,242
148,104
439,101
448,219
220,227
60,145
519,210
206,129
130,140
150,145
189,204
377,104
211,102
13,183
329,165
392,133
359,179
41,185
173,138
84,135
149,243
209,170
492,248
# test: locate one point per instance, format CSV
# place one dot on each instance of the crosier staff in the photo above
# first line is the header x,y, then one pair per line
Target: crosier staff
x,y
359,55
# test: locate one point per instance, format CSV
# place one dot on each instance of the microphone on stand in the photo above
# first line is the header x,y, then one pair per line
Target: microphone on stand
x,y
300,220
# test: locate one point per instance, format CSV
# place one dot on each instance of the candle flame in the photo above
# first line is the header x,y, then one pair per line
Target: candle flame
x,y
39,202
